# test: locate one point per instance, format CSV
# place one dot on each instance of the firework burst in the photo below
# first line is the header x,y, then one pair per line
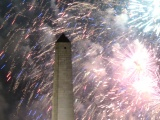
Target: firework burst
x,y
135,68
137,61
144,15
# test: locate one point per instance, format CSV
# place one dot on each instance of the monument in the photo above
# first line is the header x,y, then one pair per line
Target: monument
x,y
63,88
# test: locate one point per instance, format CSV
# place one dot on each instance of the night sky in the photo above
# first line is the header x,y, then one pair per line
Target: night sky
x,y
11,58
28,29
115,47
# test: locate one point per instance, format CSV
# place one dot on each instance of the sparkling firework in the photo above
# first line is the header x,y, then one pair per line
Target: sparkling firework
x,y
144,15
106,72
136,62
135,69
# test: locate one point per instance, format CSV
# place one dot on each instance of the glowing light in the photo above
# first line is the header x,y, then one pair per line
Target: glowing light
x,y
136,62
144,85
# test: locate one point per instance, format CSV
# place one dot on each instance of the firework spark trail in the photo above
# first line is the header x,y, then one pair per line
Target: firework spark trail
x,y
93,29
33,47
144,15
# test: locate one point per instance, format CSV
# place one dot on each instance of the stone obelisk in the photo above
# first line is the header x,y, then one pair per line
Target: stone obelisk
x,y
63,89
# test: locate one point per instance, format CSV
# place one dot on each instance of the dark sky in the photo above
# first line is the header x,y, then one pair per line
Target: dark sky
x,y
22,44
11,59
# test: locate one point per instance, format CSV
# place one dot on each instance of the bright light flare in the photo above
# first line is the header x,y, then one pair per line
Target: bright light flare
x,y
134,64
144,85
137,61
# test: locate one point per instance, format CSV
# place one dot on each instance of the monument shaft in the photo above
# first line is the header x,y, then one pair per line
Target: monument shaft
x,y
63,88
